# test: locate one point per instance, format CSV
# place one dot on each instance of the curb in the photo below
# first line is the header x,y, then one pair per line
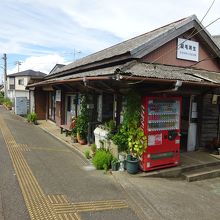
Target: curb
x,y
70,146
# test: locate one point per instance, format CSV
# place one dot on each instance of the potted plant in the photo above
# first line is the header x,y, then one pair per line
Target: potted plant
x,y
32,118
82,122
130,137
74,135
115,164
137,143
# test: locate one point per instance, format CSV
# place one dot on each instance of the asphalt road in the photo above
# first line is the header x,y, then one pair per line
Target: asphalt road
x,y
48,180
48,170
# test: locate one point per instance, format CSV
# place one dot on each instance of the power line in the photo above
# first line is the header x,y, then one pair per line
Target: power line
x,y
171,50
205,14
191,35
207,11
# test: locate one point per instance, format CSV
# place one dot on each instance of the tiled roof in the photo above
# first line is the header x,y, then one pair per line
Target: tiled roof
x,y
217,39
141,69
128,46
31,73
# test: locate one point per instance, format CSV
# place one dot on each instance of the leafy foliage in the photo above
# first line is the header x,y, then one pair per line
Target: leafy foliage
x,y
110,126
121,138
132,111
102,159
93,148
83,119
130,136
1,98
32,117
137,141
7,102
87,153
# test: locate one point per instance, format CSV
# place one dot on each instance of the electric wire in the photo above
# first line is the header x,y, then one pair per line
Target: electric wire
x,y
190,36
171,50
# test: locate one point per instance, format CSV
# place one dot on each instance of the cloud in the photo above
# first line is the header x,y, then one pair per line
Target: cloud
x,y
41,28
41,63
37,23
89,25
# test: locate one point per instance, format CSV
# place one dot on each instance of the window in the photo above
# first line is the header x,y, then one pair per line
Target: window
x,y
21,82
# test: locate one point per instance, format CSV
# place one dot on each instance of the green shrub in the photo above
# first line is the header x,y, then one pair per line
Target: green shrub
x,y
83,119
7,102
93,148
1,98
121,138
87,153
102,159
132,116
32,117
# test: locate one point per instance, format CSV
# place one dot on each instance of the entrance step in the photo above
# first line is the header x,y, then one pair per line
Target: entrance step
x,y
202,173
178,171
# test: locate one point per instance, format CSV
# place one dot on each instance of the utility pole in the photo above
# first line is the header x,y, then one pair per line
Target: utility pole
x,y
5,74
75,52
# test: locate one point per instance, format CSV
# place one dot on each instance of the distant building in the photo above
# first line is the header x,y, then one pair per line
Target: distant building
x,y
17,82
56,68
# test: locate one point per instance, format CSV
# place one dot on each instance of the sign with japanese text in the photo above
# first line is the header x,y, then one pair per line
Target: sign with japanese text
x,y
187,49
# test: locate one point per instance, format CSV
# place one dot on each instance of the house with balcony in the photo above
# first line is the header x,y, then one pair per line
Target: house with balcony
x,y
16,88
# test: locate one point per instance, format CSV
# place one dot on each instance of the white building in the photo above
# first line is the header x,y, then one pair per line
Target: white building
x,y
16,86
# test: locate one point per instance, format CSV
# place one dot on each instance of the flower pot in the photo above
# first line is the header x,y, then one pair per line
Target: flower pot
x,y
132,165
115,166
80,140
74,139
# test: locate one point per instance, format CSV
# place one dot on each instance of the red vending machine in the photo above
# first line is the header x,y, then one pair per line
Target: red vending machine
x,y
161,124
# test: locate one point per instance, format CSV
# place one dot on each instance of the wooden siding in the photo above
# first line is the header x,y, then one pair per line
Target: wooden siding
x,y
209,122
40,104
58,114
167,55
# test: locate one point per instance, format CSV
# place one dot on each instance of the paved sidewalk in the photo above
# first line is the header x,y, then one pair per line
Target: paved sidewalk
x,y
54,181
52,129
188,159
161,198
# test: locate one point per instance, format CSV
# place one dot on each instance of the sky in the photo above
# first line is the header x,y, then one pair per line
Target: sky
x,y
40,33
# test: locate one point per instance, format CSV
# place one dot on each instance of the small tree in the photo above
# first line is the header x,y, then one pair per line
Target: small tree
x,y
130,136
83,119
137,141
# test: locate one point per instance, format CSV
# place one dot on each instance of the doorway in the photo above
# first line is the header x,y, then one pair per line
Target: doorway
x,y
52,105
71,108
184,126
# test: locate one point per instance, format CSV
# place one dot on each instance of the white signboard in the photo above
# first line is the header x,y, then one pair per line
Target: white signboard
x,y
187,50
58,95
